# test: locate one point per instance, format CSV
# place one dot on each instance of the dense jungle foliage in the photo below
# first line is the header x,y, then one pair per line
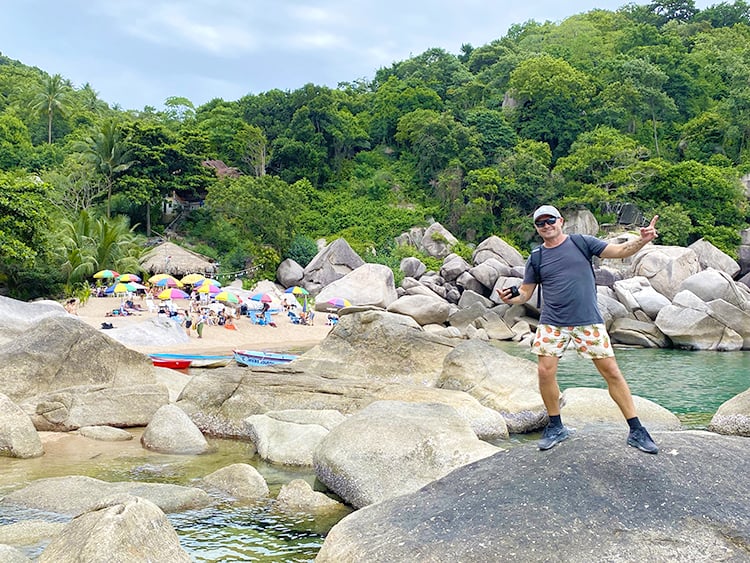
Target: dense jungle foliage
x,y
647,105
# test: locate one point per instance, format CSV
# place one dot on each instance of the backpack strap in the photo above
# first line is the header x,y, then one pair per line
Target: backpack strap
x,y
536,262
583,246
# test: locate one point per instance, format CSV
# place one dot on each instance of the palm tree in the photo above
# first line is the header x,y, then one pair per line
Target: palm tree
x,y
52,97
88,244
109,154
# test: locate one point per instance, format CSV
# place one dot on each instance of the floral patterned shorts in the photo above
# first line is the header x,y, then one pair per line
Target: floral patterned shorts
x,y
590,341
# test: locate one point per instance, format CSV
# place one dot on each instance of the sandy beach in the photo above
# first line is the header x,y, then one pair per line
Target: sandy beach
x,y
285,337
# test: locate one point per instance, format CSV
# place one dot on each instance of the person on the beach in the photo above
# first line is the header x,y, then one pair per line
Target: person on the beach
x,y
200,323
71,306
188,322
570,315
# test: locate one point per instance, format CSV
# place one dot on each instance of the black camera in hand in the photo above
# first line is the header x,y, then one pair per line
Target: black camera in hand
x,y
514,291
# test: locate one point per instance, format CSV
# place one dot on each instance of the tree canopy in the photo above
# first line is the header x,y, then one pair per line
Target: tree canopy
x,y
648,104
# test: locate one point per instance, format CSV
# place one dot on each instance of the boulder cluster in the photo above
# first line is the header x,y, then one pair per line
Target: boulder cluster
x,y
693,297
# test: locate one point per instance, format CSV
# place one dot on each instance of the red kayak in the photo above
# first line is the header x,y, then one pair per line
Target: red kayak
x,y
171,363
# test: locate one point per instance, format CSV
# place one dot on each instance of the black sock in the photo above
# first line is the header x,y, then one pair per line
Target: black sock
x,y
556,420
634,423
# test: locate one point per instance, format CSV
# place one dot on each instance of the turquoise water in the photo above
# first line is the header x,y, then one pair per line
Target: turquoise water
x,y
692,385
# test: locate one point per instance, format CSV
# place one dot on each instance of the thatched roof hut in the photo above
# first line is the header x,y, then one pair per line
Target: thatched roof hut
x,y
170,258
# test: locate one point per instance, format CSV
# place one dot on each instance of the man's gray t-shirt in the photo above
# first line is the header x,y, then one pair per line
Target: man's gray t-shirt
x,y
568,287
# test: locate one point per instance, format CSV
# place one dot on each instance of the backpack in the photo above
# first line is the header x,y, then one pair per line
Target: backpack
x,y
536,262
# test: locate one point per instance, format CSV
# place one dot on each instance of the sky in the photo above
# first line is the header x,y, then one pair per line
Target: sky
x,y
138,53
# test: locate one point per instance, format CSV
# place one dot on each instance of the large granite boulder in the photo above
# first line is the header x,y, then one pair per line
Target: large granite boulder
x,y
18,437
422,308
368,284
171,431
120,529
333,262
487,424
637,333
391,448
239,480
59,352
710,285
76,494
438,241
412,267
602,500
584,406
733,417
289,273
298,496
95,405
711,257
16,317
290,437
493,247
378,345
692,324
502,382
666,267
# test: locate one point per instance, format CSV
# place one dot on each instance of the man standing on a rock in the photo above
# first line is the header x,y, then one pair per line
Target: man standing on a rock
x,y
570,315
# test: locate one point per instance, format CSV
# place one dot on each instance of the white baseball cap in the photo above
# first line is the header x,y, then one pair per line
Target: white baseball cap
x,y
546,210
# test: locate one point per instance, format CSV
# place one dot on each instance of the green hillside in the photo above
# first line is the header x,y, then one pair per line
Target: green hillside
x,y
648,105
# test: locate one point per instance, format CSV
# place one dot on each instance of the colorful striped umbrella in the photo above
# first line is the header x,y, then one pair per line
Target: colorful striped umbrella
x,y
173,293
208,288
128,278
101,274
156,277
262,297
193,278
120,287
207,281
297,290
169,281
339,302
227,297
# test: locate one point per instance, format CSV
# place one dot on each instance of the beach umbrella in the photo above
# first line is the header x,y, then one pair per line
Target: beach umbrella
x,y
128,278
193,278
120,287
209,288
339,302
297,290
227,297
262,297
169,281
173,293
207,281
156,277
108,274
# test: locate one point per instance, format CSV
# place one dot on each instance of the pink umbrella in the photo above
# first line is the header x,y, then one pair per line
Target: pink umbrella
x,y
173,293
262,297
168,282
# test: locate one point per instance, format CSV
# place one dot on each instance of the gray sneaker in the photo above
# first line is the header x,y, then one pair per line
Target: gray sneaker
x,y
640,438
552,436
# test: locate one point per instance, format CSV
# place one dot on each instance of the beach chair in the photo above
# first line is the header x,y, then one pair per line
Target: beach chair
x,y
294,317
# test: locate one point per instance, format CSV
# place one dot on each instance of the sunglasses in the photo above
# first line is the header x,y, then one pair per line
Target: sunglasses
x,y
548,221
